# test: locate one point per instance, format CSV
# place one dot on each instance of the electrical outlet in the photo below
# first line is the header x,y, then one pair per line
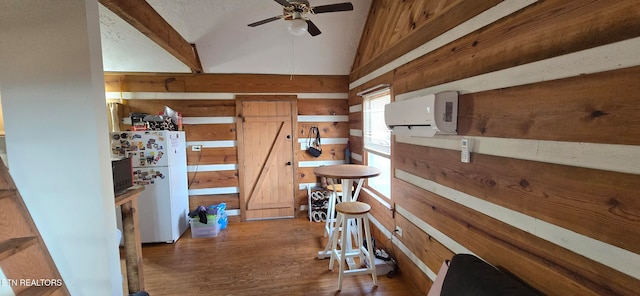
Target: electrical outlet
x,y
196,148
303,208
398,231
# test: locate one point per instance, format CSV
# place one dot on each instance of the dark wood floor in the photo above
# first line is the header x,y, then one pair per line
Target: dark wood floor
x,y
275,257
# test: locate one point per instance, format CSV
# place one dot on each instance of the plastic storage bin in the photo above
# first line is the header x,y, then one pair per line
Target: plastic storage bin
x,y
211,229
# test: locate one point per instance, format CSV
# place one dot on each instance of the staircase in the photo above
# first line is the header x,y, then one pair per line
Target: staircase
x,y
24,258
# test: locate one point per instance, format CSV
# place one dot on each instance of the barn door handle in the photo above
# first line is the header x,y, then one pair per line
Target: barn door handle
x,y
288,163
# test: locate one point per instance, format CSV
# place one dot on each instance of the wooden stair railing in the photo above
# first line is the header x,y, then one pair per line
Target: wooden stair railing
x,y
24,258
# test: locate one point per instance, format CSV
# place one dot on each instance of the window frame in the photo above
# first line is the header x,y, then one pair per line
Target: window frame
x,y
386,92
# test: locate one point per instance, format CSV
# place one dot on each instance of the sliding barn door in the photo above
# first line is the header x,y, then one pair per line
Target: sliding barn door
x,y
266,159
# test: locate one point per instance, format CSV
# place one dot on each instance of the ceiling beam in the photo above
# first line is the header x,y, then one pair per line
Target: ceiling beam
x,y
144,18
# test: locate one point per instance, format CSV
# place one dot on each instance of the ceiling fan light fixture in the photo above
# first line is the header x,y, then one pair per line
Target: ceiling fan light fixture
x,y
293,11
297,26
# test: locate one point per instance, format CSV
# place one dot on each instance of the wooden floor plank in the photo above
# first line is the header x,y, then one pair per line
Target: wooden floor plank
x,y
270,257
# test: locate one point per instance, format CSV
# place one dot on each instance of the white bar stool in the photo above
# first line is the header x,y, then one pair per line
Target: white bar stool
x,y
358,213
335,196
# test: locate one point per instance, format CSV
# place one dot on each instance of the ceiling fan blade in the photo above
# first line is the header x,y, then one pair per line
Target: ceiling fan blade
x,y
262,22
347,6
312,29
283,3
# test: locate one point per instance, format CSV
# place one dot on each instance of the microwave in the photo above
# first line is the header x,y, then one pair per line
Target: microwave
x,y
122,170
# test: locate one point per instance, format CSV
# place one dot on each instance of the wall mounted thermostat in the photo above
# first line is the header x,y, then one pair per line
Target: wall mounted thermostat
x,y
466,146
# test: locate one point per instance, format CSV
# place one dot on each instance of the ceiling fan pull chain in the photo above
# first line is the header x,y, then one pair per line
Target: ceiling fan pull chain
x,y
293,54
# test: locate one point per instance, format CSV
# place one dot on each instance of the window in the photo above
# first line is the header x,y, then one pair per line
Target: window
x,y
377,141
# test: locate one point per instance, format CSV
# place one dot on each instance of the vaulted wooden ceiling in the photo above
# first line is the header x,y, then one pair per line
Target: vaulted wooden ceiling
x,y
212,36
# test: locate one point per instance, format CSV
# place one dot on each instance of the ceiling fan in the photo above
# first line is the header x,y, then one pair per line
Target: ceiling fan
x,y
294,11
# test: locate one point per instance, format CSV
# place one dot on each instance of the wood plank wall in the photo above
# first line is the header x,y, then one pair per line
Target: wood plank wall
x,y
549,94
207,103
331,118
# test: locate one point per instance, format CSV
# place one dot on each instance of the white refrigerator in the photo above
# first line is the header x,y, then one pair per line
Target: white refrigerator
x,y
160,164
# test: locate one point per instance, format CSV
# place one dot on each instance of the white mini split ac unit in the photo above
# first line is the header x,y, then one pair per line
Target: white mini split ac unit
x,y
423,116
